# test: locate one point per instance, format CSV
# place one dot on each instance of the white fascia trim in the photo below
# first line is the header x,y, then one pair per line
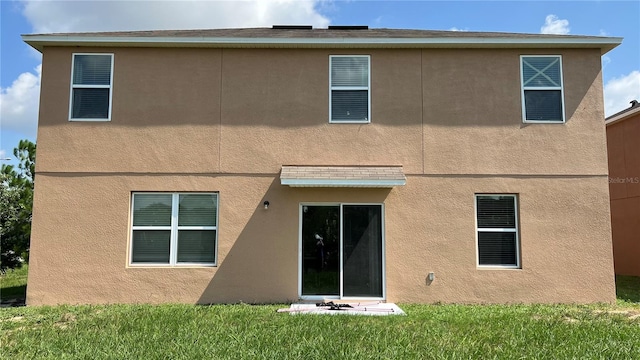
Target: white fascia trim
x,y
622,116
38,41
342,183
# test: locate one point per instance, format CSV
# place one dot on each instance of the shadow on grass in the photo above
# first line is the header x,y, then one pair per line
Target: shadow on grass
x,y
13,296
13,292
628,288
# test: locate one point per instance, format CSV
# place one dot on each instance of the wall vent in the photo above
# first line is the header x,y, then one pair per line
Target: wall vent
x,y
348,27
292,27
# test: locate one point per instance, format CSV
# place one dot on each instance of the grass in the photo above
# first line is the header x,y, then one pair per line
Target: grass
x,y
258,332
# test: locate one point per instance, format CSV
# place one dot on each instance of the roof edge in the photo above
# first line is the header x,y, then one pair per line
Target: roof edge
x,y
38,42
624,114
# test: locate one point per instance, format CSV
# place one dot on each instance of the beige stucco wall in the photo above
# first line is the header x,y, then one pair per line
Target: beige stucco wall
x,y
624,186
435,111
82,255
472,113
165,115
227,120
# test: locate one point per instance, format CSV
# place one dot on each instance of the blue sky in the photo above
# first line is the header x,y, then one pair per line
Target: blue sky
x,y
20,65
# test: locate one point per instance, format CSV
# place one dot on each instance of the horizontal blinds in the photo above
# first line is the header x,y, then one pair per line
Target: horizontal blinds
x,y
92,70
496,212
543,105
90,98
497,232
151,246
197,210
90,103
349,88
152,210
349,105
350,71
196,246
497,248
541,71
173,228
542,87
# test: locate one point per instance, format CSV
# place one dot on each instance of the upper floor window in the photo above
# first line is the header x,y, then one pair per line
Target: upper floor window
x,y
174,229
350,98
542,98
497,230
91,87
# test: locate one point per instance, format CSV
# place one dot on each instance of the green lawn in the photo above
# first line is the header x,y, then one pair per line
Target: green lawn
x,y
258,332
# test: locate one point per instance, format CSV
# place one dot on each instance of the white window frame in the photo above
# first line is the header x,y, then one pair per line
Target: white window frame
x,y
515,230
78,86
174,228
524,88
346,88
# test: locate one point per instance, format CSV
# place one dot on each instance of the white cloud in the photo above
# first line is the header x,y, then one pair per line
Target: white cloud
x,y
618,92
19,103
77,16
458,29
553,25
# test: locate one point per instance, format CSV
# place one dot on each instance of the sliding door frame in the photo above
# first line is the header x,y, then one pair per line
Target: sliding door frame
x,y
341,231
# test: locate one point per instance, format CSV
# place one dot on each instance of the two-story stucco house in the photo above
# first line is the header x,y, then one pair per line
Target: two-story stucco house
x,y
287,163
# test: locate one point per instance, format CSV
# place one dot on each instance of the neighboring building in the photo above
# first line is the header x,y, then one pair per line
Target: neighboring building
x,y
272,165
623,144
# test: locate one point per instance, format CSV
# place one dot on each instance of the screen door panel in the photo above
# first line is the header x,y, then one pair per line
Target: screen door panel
x,y
362,250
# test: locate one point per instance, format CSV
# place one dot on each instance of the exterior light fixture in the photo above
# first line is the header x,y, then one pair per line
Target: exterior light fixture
x,y
266,205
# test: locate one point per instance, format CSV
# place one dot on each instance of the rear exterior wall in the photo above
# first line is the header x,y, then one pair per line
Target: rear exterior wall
x,y
226,120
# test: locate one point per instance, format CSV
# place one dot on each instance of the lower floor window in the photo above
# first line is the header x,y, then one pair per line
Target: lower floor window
x,y
174,229
497,230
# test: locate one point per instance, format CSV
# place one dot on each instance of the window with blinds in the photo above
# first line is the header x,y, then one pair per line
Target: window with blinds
x,y
174,229
91,87
350,98
542,98
497,230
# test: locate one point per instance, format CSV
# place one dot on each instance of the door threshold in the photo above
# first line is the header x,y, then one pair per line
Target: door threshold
x,y
354,308
342,301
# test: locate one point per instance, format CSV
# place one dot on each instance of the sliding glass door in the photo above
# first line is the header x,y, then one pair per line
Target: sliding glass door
x,y
341,252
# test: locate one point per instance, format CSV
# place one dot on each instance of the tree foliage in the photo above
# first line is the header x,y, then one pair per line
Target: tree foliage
x,y
16,200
